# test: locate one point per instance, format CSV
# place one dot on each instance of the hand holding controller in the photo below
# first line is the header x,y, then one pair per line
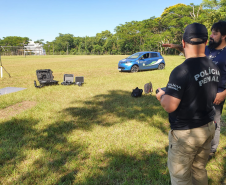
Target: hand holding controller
x,y
164,89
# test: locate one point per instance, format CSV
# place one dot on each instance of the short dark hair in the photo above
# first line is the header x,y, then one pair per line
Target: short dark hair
x,y
220,26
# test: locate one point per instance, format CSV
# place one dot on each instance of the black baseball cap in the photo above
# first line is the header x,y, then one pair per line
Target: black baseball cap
x,y
195,30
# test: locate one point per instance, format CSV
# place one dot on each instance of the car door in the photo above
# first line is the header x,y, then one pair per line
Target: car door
x,y
143,61
153,61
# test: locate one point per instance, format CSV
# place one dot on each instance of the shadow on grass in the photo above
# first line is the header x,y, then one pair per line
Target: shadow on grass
x,y
31,155
119,167
13,135
37,153
218,172
223,164
217,169
218,163
55,155
119,106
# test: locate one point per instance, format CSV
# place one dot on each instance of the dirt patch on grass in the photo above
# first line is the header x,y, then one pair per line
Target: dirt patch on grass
x,y
15,109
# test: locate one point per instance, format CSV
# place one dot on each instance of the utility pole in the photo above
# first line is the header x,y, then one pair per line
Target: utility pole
x,y
53,49
48,46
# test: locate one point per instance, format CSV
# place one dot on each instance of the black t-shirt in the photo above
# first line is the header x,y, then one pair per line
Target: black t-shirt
x,y
195,83
219,58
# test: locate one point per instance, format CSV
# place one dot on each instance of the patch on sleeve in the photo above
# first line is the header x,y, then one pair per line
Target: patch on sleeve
x,y
174,86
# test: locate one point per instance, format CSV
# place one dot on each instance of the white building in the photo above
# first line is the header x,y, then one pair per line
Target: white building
x,y
34,48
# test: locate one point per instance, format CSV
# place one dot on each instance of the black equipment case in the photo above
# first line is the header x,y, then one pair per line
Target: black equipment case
x,y
79,80
45,77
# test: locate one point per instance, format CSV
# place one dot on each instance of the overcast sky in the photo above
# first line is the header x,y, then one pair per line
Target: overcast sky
x,y
45,19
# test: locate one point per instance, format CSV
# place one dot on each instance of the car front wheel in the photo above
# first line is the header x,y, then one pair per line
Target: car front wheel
x,y
161,66
134,69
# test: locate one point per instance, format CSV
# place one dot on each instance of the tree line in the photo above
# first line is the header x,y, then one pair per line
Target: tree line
x,y
135,36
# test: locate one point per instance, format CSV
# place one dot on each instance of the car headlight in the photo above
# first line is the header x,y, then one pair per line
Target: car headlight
x,y
128,63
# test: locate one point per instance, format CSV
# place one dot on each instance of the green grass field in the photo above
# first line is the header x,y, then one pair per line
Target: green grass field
x,y
94,134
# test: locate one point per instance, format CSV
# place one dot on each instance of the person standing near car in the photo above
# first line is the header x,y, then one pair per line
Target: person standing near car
x,y
188,99
216,51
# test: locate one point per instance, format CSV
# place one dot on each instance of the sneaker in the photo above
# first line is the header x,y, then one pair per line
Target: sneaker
x,y
211,155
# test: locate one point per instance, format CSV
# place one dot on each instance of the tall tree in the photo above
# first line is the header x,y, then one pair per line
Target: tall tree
x,y
14,41
40,41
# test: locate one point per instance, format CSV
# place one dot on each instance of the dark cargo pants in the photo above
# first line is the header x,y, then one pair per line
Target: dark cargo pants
x,y
217,119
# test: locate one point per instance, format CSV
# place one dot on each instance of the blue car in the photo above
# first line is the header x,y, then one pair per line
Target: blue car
x,y
144,60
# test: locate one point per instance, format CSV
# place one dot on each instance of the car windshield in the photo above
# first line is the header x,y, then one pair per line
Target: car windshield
x,y
135,55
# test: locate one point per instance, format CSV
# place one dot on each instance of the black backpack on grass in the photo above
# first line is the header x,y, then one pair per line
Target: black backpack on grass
x,y
136,92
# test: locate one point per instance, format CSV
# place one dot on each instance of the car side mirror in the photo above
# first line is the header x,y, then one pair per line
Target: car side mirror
x,y
141,58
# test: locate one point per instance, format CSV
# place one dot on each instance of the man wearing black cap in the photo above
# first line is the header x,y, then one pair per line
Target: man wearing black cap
x,y
188,99
216,51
